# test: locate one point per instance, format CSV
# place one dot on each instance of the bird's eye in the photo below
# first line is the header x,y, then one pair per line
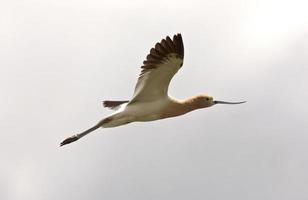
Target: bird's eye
x,y
207,98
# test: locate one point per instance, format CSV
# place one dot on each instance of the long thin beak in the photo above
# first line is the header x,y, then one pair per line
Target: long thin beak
x,y
226,102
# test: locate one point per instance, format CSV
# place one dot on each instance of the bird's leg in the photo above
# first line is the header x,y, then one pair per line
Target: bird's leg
x,y
69,140
111,121
80,135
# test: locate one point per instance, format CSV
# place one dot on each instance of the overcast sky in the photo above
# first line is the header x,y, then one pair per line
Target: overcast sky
x,y
60,59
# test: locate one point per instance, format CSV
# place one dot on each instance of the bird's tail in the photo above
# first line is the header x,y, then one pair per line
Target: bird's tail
x,y
114,105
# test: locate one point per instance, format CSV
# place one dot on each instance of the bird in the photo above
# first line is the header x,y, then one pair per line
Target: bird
x,y
150,100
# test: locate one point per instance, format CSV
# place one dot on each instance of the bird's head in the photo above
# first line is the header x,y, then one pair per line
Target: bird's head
x,y
205,100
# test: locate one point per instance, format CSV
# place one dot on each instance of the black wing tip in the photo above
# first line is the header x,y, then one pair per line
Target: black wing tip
x,y
177,45
179,35
178,42
162,49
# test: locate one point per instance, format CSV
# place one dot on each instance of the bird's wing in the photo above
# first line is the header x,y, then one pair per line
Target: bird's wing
x,y
160,66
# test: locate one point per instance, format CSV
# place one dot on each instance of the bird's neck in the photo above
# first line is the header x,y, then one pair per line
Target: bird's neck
x,y
180,107
192,103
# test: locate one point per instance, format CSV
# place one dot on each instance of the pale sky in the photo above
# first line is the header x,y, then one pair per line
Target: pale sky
x,y
60,59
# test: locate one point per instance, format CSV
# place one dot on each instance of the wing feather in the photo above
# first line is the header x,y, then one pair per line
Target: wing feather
x,y
161,64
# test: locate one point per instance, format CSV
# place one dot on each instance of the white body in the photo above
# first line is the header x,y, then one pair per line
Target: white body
x,y
139,111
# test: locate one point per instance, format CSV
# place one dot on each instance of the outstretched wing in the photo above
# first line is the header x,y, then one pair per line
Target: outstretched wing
x,y
160,66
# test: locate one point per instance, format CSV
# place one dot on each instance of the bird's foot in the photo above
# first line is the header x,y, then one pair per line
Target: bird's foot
x,y
69,140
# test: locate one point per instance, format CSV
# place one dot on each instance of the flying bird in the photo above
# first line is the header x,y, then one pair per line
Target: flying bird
x,y
150,100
